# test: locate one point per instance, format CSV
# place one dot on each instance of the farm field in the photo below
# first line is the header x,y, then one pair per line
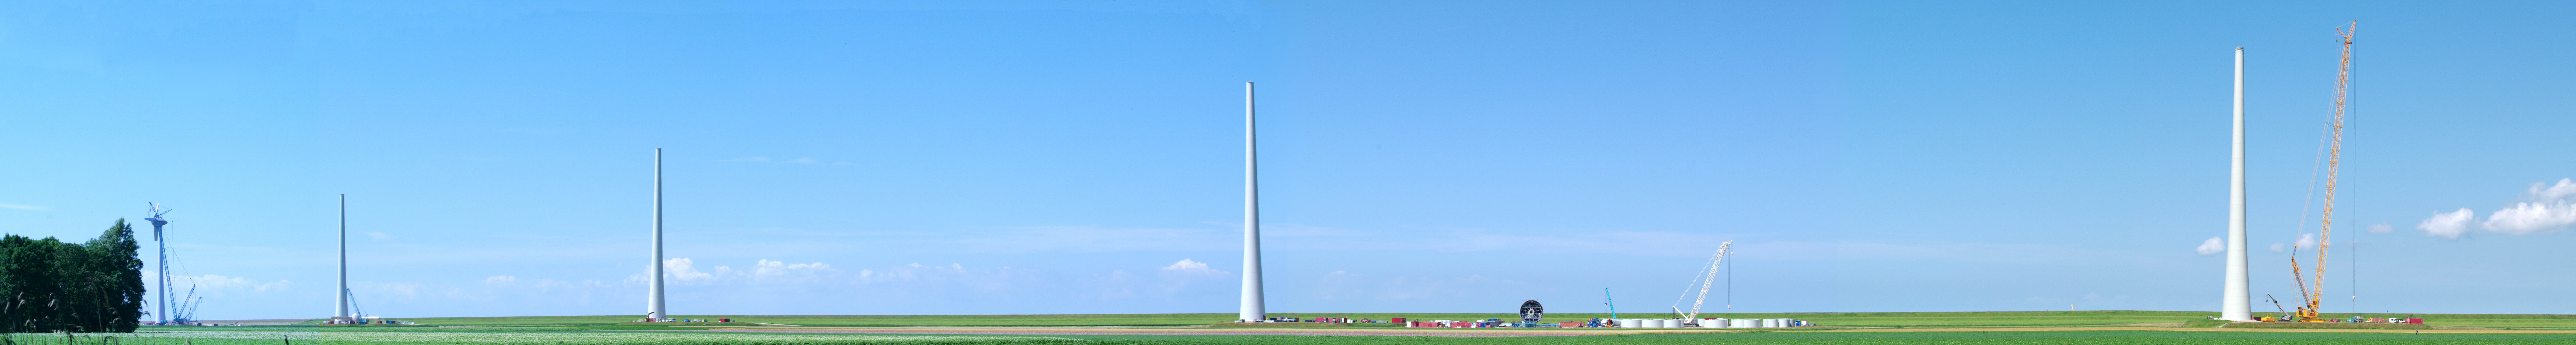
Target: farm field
x,y
1113,329
1867,319
603,336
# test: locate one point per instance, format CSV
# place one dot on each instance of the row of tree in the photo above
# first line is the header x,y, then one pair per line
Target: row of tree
x,y
54,286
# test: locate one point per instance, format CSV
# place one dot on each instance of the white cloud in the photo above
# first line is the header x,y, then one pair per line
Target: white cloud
x,y
2564,189
2545,208
684,269
2532,217
2305,241
2212,246
2280,247
771,271
2379,229
501,280
26,207
763,271
778,268
379,236
2447,225
1187,266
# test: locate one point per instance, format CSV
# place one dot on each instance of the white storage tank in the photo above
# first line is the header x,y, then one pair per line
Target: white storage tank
x,y
1631,323
1712,323
1664,323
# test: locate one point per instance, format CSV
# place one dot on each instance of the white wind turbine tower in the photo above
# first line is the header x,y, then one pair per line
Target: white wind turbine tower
x,y
1251,311
2236,302
340,311
164,246
653,301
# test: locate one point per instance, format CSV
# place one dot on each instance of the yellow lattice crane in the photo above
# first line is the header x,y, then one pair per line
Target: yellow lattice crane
x,y
2315,294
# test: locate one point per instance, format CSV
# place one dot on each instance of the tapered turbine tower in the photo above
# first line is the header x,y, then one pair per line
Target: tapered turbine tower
x,y
1251,218
2236,302
653,300
164,246
341,312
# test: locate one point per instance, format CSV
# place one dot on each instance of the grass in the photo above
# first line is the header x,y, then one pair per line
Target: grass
x,y
1862,319
581,336
861,320
2328,325
1302,325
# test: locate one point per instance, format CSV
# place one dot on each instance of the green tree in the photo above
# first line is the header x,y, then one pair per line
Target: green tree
x,y
117,264
27,273
47,285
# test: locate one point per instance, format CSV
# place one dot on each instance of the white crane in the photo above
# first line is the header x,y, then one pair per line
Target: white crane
x,y
1709,281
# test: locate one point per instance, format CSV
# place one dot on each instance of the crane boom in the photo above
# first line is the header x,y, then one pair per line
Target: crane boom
x,y
1711,280
2334,157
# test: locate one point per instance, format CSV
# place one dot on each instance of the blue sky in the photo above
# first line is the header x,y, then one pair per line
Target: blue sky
x,y
865,157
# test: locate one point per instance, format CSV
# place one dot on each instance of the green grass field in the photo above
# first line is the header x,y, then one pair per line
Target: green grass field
x,y
588,336
600,330
1913,319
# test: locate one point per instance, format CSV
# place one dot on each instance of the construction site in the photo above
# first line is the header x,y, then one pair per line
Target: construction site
x,y
1012,173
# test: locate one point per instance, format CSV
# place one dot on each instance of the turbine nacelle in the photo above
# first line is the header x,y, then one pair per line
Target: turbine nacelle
x,y
156,219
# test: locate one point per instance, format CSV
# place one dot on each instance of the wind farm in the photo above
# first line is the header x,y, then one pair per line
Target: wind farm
x,y
1406,173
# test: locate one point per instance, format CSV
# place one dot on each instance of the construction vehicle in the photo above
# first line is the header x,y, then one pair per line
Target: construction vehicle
x,y
1714,263
2334,158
